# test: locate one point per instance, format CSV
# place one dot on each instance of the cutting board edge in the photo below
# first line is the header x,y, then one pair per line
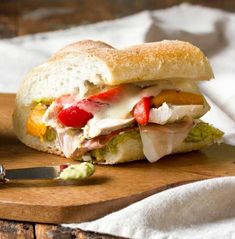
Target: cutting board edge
x,y
70,215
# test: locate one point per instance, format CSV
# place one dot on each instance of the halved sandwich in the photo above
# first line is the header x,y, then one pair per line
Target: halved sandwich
x,y
91,101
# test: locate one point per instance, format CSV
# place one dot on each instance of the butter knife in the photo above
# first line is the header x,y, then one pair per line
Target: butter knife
x,y
63,172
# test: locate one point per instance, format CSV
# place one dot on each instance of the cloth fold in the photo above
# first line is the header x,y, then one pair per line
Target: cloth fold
x,y
200,210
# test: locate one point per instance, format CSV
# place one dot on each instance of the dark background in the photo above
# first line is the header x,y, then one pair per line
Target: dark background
x,y
20,17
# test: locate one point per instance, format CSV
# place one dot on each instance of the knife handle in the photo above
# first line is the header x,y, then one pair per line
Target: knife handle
x,y
2,174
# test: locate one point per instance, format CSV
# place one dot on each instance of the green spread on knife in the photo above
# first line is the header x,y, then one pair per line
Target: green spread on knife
x,y
77,171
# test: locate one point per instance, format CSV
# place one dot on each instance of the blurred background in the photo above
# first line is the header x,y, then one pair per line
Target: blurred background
x,y
32,30
20,17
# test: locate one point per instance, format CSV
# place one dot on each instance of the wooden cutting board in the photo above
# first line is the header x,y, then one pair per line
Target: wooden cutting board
x,y
111,188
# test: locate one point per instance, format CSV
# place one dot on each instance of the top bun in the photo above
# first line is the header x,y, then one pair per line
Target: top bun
x,y
70,69
144,62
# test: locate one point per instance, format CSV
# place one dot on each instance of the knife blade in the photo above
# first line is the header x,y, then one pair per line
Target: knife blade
x,y
63,172
48,172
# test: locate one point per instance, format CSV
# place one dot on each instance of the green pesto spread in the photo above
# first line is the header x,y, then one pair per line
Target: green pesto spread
x,y
45,101
203,131
112,146
77,171
50,135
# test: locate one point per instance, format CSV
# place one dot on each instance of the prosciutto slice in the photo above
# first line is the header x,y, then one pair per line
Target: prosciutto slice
x,y
99,141
161,140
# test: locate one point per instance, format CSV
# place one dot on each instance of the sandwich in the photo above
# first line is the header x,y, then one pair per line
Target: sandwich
x,y
92,102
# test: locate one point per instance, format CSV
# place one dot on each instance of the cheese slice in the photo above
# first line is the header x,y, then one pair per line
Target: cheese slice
x,y
117,115
105,126
171,113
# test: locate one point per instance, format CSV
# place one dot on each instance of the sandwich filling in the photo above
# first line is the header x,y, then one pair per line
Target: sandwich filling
x,y
163,115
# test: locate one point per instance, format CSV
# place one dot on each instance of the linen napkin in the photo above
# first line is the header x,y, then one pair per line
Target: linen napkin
x,y
200,210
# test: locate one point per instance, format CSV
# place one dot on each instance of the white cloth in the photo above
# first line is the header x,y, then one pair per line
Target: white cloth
x,y
200,210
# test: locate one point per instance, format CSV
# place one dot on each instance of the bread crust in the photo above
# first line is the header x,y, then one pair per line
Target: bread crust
x,y
68,71
144,62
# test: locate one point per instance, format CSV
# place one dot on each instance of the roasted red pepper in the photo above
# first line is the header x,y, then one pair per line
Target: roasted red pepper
x,y
141,111
74,117
108,96
81,111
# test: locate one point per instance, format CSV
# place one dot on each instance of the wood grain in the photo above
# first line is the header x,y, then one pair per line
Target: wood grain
x,y
111,188
16,230
22,230
54,232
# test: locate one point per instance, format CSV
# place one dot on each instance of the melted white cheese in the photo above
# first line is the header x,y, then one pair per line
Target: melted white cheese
x,y
171,113
105,126
119,112
115,116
